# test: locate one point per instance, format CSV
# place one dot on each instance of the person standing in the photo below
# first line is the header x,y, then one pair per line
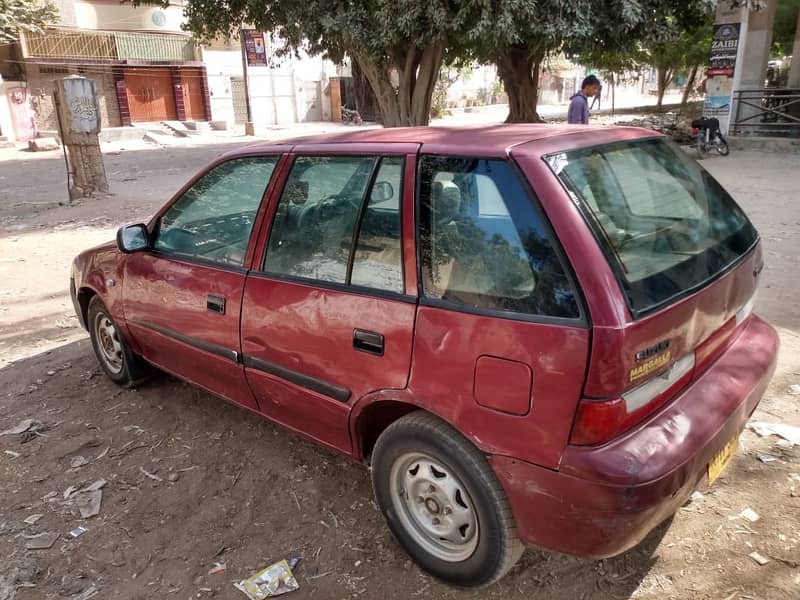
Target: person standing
x,y
578,113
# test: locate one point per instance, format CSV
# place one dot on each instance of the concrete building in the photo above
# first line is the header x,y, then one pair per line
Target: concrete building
x,y
148,70
285,90
146,67
737,90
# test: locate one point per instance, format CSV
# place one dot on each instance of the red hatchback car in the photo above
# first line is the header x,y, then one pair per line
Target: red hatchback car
x,y
533,334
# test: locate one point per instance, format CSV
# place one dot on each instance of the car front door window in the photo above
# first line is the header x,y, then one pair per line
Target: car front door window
x,y
214,218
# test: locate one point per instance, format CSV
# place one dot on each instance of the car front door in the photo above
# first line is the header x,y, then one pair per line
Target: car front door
x,y
328,314
182,297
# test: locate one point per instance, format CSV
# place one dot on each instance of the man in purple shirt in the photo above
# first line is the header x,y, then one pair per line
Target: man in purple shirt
x,y
578,113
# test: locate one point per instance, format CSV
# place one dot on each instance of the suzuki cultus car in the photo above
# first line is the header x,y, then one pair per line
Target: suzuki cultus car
x,y
533,335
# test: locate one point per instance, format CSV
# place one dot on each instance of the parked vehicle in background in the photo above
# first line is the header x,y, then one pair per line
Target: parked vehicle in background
x,y
351,117
708,136
532,334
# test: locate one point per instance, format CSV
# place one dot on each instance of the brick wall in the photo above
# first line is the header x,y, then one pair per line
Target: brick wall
x,y
41,83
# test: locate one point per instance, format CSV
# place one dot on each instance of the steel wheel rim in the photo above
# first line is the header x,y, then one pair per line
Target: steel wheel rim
x,y
108,343
434,507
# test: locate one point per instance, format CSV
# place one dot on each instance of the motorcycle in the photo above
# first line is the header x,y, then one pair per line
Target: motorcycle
x,y
351,116
708,136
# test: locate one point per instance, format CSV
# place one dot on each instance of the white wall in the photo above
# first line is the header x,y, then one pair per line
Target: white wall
x,y
221,65
277,96
6,120
124,17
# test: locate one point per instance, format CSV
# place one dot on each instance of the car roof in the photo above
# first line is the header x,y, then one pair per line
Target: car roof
x,y
485,140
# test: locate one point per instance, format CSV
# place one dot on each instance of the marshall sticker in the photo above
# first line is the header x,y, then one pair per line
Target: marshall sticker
x,y
648,367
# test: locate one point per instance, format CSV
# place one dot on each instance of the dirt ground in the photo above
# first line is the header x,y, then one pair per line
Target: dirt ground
x,y
191,482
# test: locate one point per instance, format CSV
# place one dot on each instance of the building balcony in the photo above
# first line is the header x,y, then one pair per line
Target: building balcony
x,y
75,46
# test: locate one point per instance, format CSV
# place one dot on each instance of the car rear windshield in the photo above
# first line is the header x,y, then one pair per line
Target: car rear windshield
x,y
666,226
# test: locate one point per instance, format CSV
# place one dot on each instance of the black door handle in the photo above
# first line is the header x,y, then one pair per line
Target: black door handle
x,y
216,303
368,341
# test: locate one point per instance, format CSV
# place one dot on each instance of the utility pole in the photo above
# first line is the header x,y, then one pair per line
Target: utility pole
x,y
248,126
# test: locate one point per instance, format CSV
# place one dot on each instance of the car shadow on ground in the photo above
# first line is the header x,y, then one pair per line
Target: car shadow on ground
x,y
244,492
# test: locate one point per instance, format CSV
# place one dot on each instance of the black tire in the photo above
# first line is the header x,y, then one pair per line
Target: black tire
x,y
492,546
700,144
722,146
115,356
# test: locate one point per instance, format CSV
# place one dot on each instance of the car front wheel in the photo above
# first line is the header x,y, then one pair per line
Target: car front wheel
x,y
443,502
117,360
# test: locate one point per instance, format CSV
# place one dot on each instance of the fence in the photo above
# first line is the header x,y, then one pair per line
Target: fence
x,y
108,46
767,112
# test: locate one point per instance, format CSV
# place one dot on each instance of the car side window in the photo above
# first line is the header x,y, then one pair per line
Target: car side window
x,y
214,218
378,261
482,243
324,202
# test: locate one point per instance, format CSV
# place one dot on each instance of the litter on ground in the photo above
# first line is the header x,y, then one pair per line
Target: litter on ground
x,y
43,541
788,432
272,581
750,515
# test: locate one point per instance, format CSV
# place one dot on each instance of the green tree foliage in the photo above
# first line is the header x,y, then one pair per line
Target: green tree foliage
x,y
399,45
24,15
683,53
673,37
517,36
786,14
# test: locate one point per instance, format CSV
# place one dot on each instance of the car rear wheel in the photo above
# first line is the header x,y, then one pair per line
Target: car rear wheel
x,y
443,502
117,360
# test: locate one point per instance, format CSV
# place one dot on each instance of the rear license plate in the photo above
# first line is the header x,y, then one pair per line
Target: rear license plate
x,y
721,460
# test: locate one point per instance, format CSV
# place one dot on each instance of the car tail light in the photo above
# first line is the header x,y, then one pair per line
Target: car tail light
x,y
598,421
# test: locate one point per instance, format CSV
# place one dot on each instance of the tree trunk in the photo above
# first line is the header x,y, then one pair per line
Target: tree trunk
x,y
366,103
689,86
519,69
409,103
613,94
664,78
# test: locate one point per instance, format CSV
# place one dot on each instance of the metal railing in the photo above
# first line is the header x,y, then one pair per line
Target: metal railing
x,y
62,44
767,112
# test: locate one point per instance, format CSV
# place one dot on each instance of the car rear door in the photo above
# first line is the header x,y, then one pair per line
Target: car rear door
x,y
328,309
502,338
182,297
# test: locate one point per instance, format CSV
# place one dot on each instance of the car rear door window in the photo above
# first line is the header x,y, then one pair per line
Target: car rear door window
x,y
213,219
482,243
327,204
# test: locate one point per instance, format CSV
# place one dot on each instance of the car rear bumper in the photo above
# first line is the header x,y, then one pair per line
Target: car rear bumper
x,y
604,500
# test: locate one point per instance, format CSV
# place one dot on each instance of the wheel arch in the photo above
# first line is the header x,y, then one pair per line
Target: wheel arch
x,y
85,295
375,412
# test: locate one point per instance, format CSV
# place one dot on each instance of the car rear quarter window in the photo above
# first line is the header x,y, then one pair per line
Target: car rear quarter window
x,y
213,219
338,221
482,243
666,226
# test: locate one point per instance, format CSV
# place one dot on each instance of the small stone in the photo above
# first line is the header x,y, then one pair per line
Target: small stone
x,y
173,477
198,580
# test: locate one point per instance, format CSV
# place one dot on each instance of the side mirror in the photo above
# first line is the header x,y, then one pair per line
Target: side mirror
x,y
382,191
133,238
